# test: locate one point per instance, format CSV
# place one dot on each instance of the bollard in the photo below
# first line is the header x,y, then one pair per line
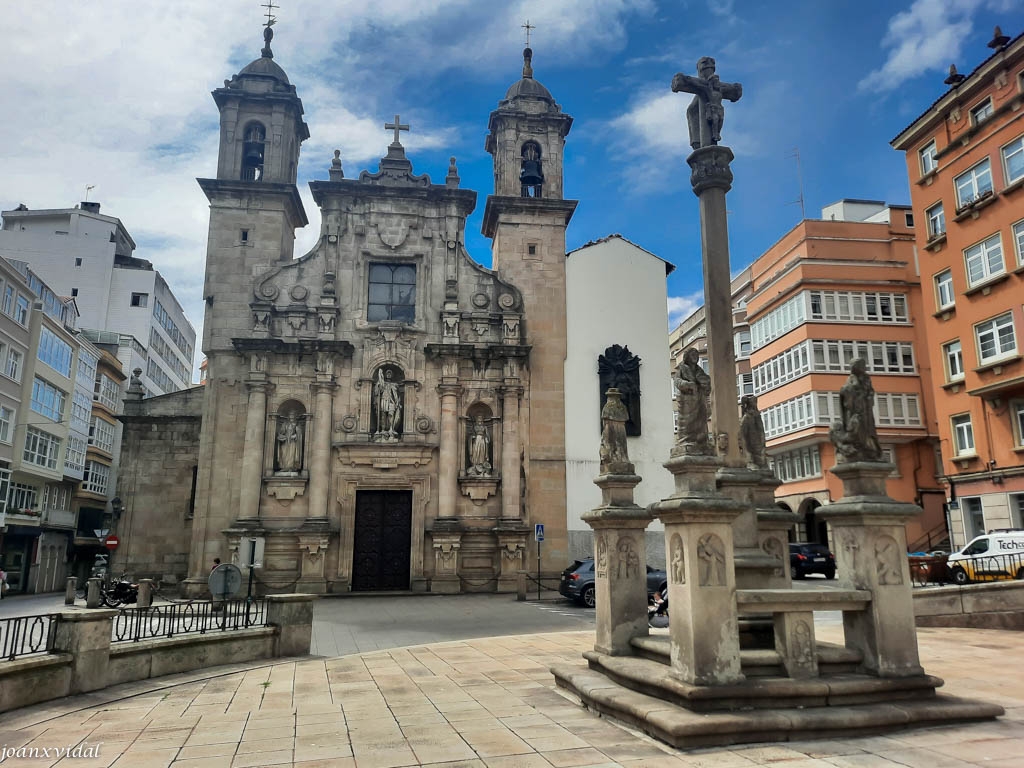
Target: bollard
x,y
69,591
145,598
521,586
92,593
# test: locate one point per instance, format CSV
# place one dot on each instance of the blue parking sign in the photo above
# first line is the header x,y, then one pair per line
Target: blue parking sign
x,y
538,532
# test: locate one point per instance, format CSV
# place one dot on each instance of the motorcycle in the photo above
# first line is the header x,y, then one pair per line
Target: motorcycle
x,y
121,592
657,611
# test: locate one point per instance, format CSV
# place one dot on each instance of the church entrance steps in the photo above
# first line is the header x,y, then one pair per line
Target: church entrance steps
x,y
789,718
760,662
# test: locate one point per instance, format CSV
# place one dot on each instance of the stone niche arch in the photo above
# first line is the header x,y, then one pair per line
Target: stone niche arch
x,y
289,439
479,454
387,403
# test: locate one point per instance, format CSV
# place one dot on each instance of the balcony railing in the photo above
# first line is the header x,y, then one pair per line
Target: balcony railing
x,y
24,516
60,518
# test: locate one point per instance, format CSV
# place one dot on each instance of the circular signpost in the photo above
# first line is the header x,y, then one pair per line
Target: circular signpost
x,y
225,580
111,542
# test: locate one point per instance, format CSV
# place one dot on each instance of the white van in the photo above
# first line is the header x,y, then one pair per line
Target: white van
x,y
995,556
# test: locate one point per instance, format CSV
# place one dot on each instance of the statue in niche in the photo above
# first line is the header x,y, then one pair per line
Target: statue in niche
x,y
289,444
752,437
693,387
479,446
855,436
620,368
387,406
614,451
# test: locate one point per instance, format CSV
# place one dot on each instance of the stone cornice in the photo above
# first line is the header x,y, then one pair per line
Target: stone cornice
x,y
464,199
438,350
216,189
497,205
302,346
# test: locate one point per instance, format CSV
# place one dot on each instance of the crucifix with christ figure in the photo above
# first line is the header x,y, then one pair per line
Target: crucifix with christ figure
x,y
396,127
705,115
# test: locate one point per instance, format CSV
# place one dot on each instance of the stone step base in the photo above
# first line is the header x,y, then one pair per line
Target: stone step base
x,y
652,678
832,659
684,728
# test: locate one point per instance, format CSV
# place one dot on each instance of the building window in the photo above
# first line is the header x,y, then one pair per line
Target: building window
x,y
74,459
944,289
996,338
796,465
243,236
929,162
87,362
744,384
78,262
909,219
974,516
74,292
6,423
8,305
963,435
392,293
47,400
140,299
982,112
96,478
1018,240
12,368
973,183
166,322
23,496
81,411
1013,160
936,220
55,352
1018,421
953,355
106,392
21,306
742,341
159,376
984,260
41,448
101,434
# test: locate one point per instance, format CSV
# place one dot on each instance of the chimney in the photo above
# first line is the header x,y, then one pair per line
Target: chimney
x,y
90,206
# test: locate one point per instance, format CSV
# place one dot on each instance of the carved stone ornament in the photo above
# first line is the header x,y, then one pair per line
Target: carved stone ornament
x,y
261,320
706,113
424,424
855,436
627,559
618,367
802,643
513,552
887,560
601,560
693,386
326,322
711,554
506,301
773,547
481,300
752,435
614,451
347,424
677,569
298,292
709,168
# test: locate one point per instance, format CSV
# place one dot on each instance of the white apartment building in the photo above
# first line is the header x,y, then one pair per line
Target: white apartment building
x,y
84,254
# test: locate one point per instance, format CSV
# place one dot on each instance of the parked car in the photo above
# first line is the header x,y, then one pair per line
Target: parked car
x,y
577,582
805,558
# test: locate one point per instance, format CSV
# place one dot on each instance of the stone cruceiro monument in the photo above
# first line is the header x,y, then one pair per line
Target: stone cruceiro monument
x,y
741,662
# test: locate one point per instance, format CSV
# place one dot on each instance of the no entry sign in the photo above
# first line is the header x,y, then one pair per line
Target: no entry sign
x,y
111,541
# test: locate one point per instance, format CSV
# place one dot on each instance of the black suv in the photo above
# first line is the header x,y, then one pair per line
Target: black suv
x,y
807,558
577,582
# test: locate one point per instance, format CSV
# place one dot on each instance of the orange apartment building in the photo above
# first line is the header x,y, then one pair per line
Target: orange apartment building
x,y
965,160
829,291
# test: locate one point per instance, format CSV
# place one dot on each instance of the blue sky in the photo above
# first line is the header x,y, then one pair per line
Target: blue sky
x,y
116,94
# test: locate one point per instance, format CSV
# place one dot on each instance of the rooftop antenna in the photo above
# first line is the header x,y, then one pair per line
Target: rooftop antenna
x,y
88,187
800,181
271,19
529,28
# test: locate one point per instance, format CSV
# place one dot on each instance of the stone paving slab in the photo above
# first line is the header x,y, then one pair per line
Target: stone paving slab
x,y
483,703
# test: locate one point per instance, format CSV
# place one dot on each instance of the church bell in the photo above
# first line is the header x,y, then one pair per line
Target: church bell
x,y
253,155
531,175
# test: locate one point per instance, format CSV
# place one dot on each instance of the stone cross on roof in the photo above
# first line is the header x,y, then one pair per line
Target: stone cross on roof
x,y
396,127
269,5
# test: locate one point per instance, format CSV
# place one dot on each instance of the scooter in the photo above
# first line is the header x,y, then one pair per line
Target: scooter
x,y
121,592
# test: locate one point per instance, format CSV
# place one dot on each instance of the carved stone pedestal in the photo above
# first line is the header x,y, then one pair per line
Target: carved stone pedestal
x,y
620,564
754,567
701,576
512,536
312,551
446,539
773,527
871,553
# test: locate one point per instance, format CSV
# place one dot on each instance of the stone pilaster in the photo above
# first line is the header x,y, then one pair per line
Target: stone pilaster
x,y
446,539
251,471
702,583
512,538
448,454
320,446
312,551
620,564
869,532
511,504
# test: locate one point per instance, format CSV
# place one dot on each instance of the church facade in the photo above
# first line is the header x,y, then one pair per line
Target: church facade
x,y
382,413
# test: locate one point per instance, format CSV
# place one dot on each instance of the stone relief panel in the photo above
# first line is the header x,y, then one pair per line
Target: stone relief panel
x,y
887,560
711,554
802,643
628,560
676,562
601,560
774,547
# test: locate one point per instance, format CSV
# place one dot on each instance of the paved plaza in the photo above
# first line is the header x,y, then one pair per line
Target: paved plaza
x,y
478,703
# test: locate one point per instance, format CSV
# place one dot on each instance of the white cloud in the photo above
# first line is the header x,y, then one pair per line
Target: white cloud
x,y
927,37
681,307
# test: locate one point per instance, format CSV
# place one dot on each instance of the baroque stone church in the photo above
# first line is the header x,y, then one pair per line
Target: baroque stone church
x,y
383,412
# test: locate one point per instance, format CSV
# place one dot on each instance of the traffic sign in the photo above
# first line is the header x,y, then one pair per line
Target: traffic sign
x,y
111,542
538,532
224,580
101,533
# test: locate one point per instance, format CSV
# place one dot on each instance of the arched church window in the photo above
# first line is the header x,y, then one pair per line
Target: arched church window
x,y
392,293
253,152
531,170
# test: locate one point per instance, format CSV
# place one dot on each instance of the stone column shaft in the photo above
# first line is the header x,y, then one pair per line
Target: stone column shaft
x,y
251,472
448,484
510,501
320,449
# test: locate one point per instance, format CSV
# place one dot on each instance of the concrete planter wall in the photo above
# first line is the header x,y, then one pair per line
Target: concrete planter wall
x,y
999,605
83,658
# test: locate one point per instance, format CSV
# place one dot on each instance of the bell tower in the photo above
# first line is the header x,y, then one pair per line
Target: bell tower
x,y
254,204
526,218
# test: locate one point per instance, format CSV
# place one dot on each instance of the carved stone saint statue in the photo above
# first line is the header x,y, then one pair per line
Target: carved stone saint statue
x,y
289,444
752,437
693,387
387,401
705,115
855,437
614,451
479,445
